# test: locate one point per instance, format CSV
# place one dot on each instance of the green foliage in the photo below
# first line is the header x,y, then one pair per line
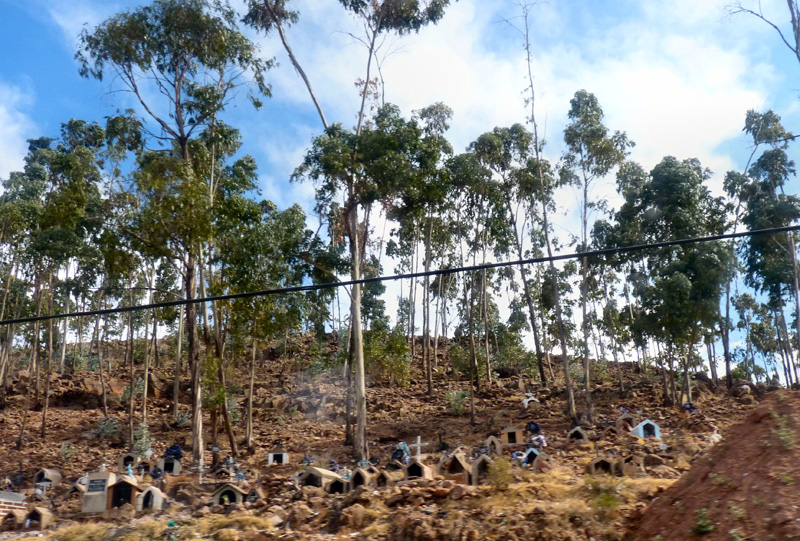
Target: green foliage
x,y
138,390
68,451
108,428
387,356
183,419
455,402
500,475
704,524
785,434
142,441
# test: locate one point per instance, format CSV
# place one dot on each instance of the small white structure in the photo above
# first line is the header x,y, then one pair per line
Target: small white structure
x,y
170,465
95,497
647,429
151,498
278,458
12,500
47,476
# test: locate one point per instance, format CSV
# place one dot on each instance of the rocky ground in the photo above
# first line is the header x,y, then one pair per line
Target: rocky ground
x,y
745,483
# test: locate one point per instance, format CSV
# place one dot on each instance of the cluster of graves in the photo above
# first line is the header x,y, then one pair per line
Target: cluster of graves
x,y
140,484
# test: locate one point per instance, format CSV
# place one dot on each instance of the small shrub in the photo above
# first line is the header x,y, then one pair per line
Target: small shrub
x,y
718,479
455,401
704,524
138,390
183,419
737,512
68,451
107,428
499,474
142,441
787,479
785,434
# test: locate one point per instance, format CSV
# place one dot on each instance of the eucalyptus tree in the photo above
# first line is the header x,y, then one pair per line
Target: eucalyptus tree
x,y
504,151
592,153
181,60
686,281
379,19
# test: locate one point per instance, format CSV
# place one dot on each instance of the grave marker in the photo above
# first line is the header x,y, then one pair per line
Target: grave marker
x,y
95,499
418,445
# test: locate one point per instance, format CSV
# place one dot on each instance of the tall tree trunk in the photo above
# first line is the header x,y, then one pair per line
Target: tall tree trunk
x,y
49,362
132,375
194,363
249,429
177,379
360,447
426,309
486,326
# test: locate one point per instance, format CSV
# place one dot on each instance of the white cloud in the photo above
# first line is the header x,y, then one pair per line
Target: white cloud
x,y
16,127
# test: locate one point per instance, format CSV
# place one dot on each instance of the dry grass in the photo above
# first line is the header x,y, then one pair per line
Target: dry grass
x,y
83,532
214,524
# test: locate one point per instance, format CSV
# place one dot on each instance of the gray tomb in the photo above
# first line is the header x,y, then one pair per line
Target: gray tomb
x,y
95,499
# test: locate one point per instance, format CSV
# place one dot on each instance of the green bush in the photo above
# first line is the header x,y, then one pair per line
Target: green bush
x,y
142,441
500,473
387,356
107,428
138,390
455,401
704,524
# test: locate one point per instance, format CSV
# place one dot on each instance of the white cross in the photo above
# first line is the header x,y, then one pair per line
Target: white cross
x,y
418,445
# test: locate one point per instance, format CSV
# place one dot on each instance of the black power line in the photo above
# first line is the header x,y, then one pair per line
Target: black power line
x,y
438,272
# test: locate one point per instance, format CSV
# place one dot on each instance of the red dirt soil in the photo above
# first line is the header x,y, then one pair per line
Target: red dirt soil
x,y
748,485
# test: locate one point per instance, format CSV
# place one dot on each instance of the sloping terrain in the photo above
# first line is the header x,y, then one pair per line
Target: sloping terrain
x,y
745,487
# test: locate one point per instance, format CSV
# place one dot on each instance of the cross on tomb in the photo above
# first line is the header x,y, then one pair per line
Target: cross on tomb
x,y
418,445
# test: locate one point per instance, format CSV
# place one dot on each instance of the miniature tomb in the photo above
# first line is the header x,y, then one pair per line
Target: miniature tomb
x,y
48,477
601,465
228,494
647,429
123,491
317,477
627,419
512,436
387,477
609,433
530,457
278,458
170,465
95,498
361,477
11,500
38,518
128,459
337,486
455,467
255,495
631,466
394,466
12,520
143,468
151,498
417,470
495,445
577,433
480,468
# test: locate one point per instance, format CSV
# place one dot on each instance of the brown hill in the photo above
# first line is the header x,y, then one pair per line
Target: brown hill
x,y
746,487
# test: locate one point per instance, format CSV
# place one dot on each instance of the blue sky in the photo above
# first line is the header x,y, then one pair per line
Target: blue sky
x,y
677,76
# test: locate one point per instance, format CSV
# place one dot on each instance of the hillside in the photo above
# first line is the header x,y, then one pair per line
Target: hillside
x,y
304,416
